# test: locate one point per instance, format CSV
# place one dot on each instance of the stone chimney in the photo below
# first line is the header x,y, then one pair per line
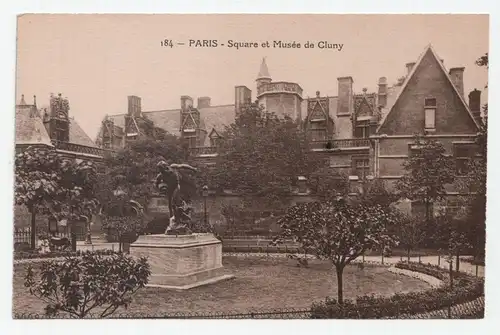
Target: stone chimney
x,y
186,102
382,91
242,95
345,98
457,77
203,102
475,104
134,106
409,67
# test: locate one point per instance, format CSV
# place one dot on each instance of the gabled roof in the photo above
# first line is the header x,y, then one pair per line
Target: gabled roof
x,y
363,99
410,75
187,119
29,127
214,133
313,108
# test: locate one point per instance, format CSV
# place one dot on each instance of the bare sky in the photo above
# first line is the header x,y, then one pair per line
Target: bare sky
x,y
96,61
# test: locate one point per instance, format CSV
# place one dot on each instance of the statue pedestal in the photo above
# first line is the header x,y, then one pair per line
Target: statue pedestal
x,y
181,262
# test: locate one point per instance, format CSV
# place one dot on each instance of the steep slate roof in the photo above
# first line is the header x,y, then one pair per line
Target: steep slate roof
x,y
169,120
410,75
29,127
78,136
213,117
392,95
217,117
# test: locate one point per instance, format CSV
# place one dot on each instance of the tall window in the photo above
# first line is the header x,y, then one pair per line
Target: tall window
x,y
430,113
361,166
191,141
463,154
318,134
317,130
362,130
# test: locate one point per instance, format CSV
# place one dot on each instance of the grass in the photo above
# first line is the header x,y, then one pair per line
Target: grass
x,y
260,284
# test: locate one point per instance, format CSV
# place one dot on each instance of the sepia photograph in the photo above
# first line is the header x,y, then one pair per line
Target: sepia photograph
x,y
250,166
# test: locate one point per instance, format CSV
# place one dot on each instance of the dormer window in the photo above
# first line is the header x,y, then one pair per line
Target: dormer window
x,y
430,114
214,141
362,129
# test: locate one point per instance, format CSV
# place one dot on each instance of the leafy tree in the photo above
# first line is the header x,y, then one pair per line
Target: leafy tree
x,y
327,184
410,233
48,183
134,168
376,193
89,284
473,185
338,231
261,156
123,217
483,60
427,171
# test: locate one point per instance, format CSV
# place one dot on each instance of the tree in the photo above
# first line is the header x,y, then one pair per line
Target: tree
x,y
47,182
427,171
410,233
376,193
261,156
338,231
80,286
134,168
123,217
327,184
473,185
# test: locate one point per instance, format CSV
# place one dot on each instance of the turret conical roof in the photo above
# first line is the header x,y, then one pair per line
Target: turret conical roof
x,y
263,72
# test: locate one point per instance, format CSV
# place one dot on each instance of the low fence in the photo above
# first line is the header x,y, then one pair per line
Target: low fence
x,y
22,238
469,310
22,235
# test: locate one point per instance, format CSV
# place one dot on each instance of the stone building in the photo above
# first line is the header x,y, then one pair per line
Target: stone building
x,y
51,126
363,134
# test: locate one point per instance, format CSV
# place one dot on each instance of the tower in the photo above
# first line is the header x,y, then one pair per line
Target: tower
x,y
282,98
58,121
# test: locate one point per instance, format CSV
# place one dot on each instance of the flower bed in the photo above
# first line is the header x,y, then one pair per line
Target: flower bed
x,y
58,254
465,288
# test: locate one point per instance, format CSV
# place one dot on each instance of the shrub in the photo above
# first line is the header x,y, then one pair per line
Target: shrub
x,y
466,288
92,283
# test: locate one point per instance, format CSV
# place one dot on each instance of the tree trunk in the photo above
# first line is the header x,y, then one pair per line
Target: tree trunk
x,y
457,265
409,255
33,228
451,273
340,297
427,212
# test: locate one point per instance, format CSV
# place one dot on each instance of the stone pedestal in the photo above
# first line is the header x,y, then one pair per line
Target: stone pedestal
x,y
181,262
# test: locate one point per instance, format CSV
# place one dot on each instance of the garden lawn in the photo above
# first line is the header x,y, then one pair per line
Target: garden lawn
x,y
261,283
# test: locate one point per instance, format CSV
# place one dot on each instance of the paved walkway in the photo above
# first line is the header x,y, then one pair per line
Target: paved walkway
x,y
435,260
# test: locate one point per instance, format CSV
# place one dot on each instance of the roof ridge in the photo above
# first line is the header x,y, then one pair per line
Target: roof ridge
x,y
412,73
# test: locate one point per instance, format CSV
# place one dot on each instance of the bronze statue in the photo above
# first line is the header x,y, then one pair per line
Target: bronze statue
x,y
168,182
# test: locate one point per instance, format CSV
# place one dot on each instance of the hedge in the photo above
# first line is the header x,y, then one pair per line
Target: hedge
x,y
56,254
465,288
